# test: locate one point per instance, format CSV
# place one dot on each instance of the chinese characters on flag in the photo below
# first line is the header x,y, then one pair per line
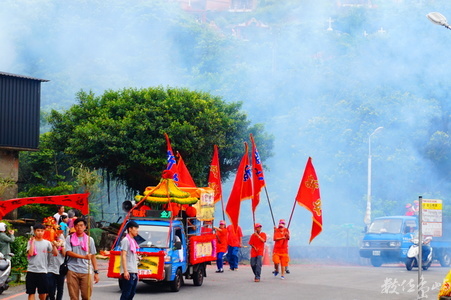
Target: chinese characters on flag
x,y
258,177
308,196
242,189
214,177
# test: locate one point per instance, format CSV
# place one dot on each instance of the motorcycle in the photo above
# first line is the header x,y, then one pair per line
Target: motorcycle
x,y
412,254
5,271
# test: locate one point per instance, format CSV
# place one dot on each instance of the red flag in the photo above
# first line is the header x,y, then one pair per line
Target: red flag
x,y
308,197
257,173
185,178
242,189
214,178
172,163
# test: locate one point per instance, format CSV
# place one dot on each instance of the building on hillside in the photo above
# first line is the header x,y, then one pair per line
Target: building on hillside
x,y
20,104
218,5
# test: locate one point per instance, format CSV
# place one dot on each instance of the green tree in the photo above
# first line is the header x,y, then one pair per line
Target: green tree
x,y
122,133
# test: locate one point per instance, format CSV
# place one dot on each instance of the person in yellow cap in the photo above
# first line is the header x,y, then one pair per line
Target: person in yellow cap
x,y
257,242
280,251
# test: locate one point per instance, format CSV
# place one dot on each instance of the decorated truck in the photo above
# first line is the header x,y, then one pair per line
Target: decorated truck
x,y
176,240
388,239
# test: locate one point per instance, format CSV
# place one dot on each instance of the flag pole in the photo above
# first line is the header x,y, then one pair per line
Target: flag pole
x,y
222,204
270,208
292,211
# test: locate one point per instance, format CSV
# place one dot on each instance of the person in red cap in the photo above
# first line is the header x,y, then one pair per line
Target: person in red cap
x,y
280,251
257,242
235,242
221,246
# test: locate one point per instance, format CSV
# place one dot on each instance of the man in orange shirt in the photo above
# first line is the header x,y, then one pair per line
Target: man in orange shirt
x,y
221,246
257,242
234,242
280,252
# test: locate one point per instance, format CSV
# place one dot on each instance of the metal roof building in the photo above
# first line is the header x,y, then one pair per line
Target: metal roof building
x,y
20,101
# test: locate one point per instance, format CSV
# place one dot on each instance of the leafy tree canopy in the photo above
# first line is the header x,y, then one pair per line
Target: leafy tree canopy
x,y
122,133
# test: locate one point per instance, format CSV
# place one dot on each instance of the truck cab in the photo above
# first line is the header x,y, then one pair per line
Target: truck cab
x,y
387,240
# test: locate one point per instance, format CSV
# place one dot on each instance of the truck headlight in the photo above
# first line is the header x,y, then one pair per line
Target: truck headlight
x,y
395,244
366,244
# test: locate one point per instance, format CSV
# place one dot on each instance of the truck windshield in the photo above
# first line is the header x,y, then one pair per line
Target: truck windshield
x,y
386,226
153,236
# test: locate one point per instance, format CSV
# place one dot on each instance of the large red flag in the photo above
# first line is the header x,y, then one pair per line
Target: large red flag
x,y
257,173
242,189
185,179
214,178
308,197
172,163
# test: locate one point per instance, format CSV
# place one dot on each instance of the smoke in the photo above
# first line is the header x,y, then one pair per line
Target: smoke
x,y
320,92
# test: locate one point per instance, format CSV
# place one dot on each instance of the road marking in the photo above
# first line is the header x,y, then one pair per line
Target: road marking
x,y
14,296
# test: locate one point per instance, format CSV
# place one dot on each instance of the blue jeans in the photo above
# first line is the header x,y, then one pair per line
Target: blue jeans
x,y
129,287
232,256
219,260
56,285
256,264
426,249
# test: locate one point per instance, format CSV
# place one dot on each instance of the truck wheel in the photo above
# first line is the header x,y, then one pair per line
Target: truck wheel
x,y
198,277
410,262
376,261
445,260
177,282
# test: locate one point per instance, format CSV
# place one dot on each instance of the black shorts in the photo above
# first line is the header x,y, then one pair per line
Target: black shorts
x,y
36,281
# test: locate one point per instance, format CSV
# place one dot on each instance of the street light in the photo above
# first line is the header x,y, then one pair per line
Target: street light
x,y
367,219
438,18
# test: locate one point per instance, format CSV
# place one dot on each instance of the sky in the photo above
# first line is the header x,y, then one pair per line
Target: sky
x,y
319,92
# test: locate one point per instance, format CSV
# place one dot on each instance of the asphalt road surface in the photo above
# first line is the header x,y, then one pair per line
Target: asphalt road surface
x,y
307,281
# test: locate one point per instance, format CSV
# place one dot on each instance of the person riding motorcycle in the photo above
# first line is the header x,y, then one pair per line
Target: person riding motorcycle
x,y
6,240
425,247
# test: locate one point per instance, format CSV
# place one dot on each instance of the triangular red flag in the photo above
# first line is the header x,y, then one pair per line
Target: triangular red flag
x,y
214,177
185,179
172,163
258,176
308,196
242,189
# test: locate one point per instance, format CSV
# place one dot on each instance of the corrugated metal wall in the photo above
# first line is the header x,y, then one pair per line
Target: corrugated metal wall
x,y
20,100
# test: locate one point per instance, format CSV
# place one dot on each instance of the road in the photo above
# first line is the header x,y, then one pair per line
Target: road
x,y
311,281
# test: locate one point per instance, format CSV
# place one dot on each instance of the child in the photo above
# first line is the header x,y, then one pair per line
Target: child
x,y
63,225
39,251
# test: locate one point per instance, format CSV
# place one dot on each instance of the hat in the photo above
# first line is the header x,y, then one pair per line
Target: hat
x,y
282,221
257,225
408,205
2,227
131,224
222,222
49,221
